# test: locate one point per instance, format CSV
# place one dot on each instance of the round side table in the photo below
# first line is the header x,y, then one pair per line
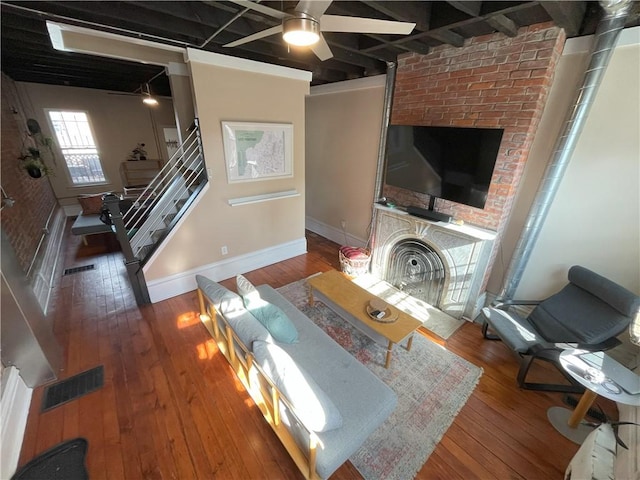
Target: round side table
x,y
600,374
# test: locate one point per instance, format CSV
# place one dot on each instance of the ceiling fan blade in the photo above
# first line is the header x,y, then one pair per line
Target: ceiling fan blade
x,y
256,36
322,50
272,12
315,8
338,23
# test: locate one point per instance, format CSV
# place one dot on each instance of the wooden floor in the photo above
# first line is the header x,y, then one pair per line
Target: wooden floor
x,y
171,408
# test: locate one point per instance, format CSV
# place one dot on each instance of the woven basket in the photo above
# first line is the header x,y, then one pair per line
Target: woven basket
x,y
355,266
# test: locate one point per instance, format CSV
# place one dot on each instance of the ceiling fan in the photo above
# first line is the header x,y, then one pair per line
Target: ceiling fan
x,y
303,26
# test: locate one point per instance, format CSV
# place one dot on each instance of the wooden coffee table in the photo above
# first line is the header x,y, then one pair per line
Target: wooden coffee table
x,y
350,301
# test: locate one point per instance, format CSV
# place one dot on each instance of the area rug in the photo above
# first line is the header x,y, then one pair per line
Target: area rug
x,y
432,385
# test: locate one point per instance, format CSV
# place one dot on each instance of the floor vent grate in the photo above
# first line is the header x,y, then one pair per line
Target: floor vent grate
x,y
73,387
84,268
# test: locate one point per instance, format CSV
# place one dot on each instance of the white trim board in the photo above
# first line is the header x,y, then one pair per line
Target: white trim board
x,y
14,405
377,81
332,233
184,282
245,65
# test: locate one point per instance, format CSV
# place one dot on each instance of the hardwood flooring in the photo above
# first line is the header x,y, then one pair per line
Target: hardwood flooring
x,y
171,407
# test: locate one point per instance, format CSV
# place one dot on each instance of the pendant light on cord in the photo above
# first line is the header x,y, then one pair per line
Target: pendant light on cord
x,y
148,99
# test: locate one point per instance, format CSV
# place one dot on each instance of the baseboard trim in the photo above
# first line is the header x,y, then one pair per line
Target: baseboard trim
x,y
332,233
184,282
14,405
44,275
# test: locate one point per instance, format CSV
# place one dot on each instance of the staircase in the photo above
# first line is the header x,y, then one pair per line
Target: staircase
x,y
143,223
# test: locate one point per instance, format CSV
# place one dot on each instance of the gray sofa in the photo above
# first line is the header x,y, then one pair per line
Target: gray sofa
x,y
359,401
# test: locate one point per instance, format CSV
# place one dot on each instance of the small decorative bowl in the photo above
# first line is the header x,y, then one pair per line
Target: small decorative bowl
x,y
377,305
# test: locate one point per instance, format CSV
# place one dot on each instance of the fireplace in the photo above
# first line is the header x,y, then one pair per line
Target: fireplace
x,y
440,263
416,269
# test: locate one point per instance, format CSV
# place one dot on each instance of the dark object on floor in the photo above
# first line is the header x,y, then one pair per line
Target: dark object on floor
x,y
588,314
83,268
73,387
593,413
65,461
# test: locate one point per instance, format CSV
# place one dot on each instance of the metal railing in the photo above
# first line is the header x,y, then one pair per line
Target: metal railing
x,y
150,217
165,195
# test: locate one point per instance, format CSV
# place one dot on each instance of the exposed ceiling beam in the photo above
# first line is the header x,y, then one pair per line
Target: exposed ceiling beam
x,y
503,24
416,12
568,15
447,36
381,42
470,8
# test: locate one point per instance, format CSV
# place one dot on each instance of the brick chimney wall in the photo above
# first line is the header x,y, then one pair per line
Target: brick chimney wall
x,y
492,81
34,198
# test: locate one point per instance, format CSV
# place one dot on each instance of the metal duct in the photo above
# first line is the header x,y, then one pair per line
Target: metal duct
x,y
386,115
604,43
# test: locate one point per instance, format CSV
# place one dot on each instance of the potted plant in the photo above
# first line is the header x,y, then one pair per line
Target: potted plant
x,y
33,163
138,153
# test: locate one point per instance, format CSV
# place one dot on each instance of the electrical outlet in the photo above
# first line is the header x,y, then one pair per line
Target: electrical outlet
x,y
224,250
343,223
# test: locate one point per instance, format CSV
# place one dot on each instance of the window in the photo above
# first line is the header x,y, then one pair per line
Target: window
x,y
78,147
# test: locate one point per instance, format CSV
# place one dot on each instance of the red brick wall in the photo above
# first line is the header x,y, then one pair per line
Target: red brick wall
x,y
492,81
34,198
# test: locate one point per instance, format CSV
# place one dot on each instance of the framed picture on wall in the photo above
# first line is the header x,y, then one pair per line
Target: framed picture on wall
x,y
257,151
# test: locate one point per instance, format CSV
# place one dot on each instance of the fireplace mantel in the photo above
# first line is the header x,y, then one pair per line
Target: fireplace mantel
x,y
465,251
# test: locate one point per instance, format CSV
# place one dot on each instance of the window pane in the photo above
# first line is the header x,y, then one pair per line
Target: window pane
x,y
76,142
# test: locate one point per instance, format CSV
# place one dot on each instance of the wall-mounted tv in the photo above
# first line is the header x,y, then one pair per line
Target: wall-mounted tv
x,y
446,162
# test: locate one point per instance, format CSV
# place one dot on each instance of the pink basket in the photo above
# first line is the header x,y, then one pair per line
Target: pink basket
x,y
354,261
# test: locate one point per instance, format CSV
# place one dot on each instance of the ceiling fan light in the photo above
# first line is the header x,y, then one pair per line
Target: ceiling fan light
x,y
301,31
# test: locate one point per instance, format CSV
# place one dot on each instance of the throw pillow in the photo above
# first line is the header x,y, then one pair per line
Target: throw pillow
x,y
215,292
231,306
91,204
244,286
269,315
311,404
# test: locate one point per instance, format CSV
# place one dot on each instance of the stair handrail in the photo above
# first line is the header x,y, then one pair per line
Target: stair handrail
x,y
155,188
175,191
181,179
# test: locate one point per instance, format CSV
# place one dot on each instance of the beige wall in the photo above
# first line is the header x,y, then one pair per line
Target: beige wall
x,y
343,136
595,218
226,94
119,122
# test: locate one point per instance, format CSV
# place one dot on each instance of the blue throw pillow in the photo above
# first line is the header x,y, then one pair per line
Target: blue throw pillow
x,y
269,315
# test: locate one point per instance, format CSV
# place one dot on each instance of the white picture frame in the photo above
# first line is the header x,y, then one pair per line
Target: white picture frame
x,y
257,151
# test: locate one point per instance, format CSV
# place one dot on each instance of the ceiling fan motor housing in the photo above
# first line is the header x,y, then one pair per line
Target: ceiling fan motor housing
x,y
300,29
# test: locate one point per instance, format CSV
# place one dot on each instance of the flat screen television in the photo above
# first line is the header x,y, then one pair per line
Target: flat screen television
x,y
447,162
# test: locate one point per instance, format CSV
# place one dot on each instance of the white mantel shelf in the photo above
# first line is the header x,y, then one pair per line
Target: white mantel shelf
x,y
473,231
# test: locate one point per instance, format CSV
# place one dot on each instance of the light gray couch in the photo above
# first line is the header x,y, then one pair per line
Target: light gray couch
x,y
362,400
